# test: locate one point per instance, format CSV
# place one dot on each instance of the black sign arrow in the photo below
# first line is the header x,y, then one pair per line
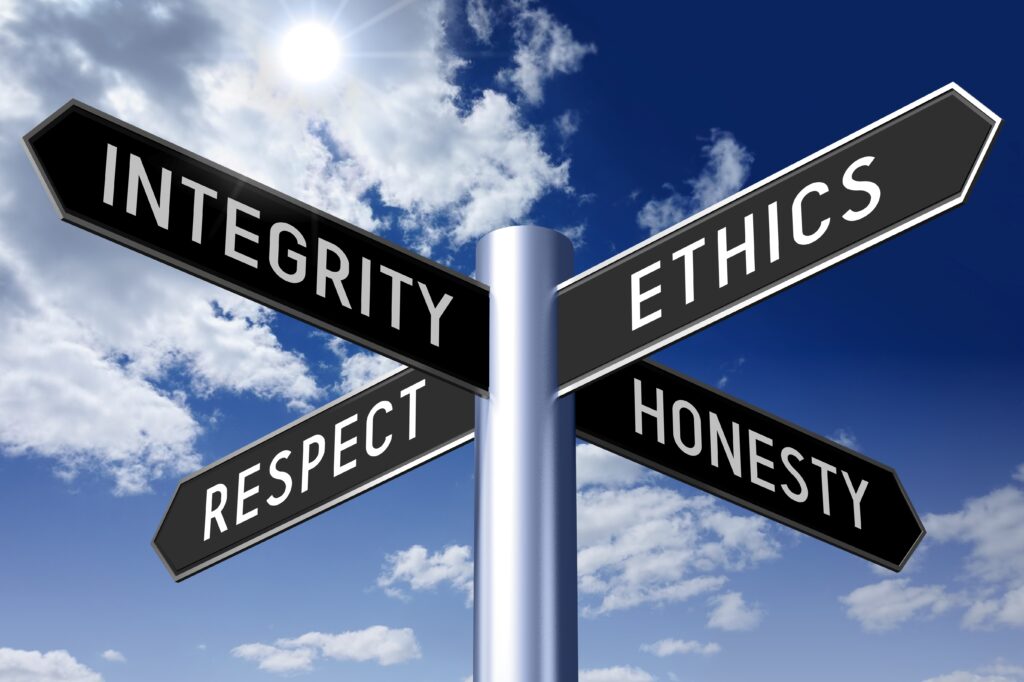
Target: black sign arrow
x,y
872,185
126,185
657,417
305,468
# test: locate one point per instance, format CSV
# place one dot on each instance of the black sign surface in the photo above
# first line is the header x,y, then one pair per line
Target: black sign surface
x,y
876,183
700,436
329,456
156,198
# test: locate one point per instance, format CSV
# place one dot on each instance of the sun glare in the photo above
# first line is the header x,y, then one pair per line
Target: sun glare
x,y
310,52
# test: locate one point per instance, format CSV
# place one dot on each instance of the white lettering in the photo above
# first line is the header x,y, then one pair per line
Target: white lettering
x,y
275,253
241,516
732,452
687,255
799,236
397,280
410,393
436,311
371,449
746,247
336,276
801,496
640,410
200,192
753,438
677,407
826,469
637,297
773,231
309,463
873,191
340,445
856,495
232,230
364,293
218,513
136,176
283,476
108,175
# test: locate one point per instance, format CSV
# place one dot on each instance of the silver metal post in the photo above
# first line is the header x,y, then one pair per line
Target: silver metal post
x,y
525,574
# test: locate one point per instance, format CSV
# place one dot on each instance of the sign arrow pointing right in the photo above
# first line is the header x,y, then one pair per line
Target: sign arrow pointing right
x,y
695,434
880,181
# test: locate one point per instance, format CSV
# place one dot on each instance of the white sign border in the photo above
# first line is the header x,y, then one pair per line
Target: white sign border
x,y
853,250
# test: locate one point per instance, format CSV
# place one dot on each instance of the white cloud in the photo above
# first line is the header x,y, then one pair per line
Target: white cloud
x,y
544,48
668,647
884,605
78,309
386,646
63,398
17,101
575,235
82,370
730,612
616,674
359,368
652,545
725,172
91,333
275,659
964,676
997,672
637,543
480,167
18,665
597,467
993,528
421,570
658,214
113,656
730,369
845,438
481,19
568,124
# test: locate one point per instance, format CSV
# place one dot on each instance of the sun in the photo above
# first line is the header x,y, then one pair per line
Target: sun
x,y
310,52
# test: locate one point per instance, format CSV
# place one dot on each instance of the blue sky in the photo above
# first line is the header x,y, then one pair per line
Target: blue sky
x,y
445,120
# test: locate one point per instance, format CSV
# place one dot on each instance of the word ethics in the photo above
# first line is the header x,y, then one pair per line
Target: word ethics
x,y
860,197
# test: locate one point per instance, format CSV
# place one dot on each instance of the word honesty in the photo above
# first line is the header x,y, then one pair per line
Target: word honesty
x,y
311,465
698,435
873,185
146,194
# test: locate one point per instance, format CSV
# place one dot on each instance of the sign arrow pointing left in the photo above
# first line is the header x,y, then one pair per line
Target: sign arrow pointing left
x,y
124,184
317,462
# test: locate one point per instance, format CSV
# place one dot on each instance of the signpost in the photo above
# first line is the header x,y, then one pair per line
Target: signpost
x,y
305,468
126,185
882,180
533,344
693,433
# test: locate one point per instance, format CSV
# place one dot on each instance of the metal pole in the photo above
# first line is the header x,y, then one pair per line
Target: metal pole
x,y
524,616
